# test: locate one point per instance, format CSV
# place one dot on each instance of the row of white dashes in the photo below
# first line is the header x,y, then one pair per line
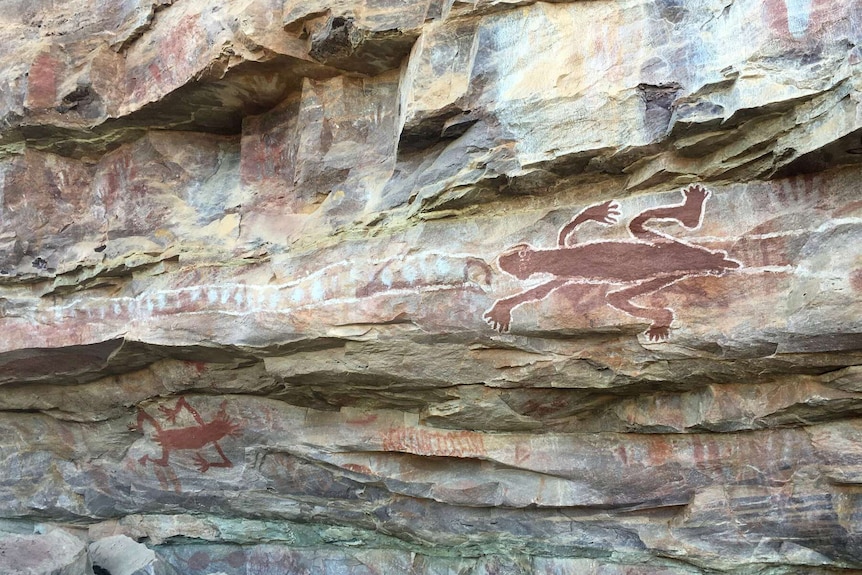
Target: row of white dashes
x,y
314,289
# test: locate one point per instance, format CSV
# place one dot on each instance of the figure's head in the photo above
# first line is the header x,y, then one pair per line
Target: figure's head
x,y
224,424
516,261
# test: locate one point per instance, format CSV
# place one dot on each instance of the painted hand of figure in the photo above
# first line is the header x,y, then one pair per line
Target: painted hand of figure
x,y
498,317
606,213
170,414
658,332
695,193
201,463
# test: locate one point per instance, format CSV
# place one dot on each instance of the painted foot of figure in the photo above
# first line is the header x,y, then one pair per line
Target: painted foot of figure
x,y
658,333
695,196
499,317
201,463
695,193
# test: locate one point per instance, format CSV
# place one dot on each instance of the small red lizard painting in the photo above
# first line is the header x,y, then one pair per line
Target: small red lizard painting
x,y
192,437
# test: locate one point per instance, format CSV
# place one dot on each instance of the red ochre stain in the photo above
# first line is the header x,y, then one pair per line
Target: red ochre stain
x,y
775,16
706,453
198,560
434,443
42,81
199,366
235,559
522,453
622,454
365,420
356,468
659,451
856,280
849,210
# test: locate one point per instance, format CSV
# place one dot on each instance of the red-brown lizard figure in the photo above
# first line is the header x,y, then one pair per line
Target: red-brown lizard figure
x,y
191,437
649,262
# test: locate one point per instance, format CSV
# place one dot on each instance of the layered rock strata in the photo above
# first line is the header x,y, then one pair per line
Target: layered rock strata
x,y
431,287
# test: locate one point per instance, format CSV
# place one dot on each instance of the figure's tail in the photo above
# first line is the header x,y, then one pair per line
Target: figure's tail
x,y
730,264
720,263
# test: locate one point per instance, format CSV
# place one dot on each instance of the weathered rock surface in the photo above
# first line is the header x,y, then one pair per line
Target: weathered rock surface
x,y
123,555
55,552
433,287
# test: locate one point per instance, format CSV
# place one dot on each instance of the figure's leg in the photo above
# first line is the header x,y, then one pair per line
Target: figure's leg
x,y
160,475
168,478
203,464
500,315
689,213
161,462
661,318
171,476
171,414
143,416
605,213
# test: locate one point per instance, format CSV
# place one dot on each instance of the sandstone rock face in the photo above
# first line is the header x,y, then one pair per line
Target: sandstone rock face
x,y
485,287
53,553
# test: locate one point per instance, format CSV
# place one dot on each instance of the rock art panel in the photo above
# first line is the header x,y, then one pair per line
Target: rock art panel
x,y
199,437
651,261
254,314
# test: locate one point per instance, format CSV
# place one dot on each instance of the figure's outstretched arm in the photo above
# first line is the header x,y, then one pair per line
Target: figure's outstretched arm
x,y
661,318
605,213
499,316
171,414
144,416
203,464
167,477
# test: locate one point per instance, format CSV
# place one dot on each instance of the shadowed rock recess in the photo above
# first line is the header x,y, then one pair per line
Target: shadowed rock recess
x,y
431,287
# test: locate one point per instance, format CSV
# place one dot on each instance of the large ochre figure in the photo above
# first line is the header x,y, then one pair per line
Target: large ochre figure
x,y
645,264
